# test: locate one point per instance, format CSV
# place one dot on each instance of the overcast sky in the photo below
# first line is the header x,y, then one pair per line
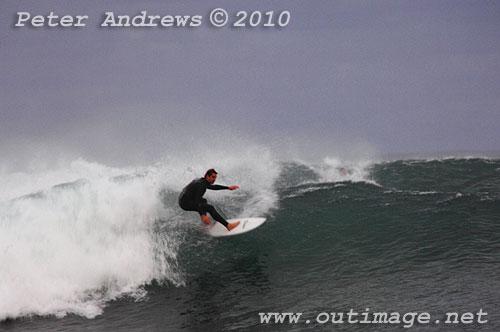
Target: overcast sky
x,y
399,76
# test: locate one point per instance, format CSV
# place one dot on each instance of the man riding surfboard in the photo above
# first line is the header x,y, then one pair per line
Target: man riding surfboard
x,y
191,198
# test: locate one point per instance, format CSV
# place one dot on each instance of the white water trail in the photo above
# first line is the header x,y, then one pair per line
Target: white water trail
x,y
76,237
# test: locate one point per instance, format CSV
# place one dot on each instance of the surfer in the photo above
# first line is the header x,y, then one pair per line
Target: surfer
x,y
191,198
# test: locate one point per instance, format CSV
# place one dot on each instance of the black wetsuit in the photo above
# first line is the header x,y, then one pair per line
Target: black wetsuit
x,y
191,198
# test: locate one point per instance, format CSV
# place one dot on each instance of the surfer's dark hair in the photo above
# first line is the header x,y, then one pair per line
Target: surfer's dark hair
x,y
210,172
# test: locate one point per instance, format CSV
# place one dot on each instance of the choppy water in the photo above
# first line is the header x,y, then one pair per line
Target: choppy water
x,y
94,248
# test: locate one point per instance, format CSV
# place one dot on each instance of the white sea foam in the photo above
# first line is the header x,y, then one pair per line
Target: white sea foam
x,y
73,238
336,170
71,247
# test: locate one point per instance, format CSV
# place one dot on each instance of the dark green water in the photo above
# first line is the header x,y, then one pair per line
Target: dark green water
x,y
417,236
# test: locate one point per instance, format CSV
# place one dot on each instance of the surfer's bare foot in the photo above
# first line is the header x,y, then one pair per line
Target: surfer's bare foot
x,y
205,219
232,225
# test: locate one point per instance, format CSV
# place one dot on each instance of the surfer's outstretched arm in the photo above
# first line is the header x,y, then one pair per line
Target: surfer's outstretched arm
x,y
219,187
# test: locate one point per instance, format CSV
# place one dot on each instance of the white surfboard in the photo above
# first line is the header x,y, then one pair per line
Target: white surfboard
x,y
246,224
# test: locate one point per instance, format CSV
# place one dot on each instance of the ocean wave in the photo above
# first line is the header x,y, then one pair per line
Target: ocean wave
x,y
74,238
